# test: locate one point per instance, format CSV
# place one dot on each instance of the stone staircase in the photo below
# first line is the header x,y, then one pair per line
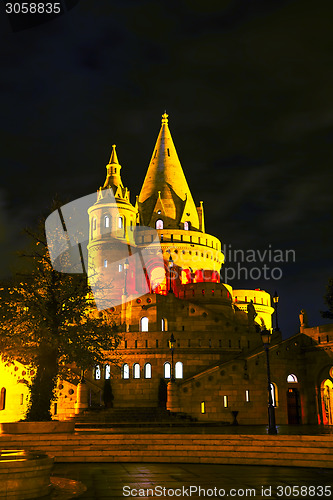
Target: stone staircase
x,y
140,416
188,447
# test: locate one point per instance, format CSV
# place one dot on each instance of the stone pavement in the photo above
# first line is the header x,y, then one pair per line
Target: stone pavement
x,y
131,480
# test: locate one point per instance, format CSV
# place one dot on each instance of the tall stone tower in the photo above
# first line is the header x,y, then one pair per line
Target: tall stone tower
x,y
112,223
166,204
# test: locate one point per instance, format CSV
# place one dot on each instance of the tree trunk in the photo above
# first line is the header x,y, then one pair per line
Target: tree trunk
x,y
43,385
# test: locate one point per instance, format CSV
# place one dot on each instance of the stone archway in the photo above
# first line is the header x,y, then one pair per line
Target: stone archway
x,y
326,393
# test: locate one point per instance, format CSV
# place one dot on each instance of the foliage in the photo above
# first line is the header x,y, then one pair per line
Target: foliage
x,y
328,300
47,322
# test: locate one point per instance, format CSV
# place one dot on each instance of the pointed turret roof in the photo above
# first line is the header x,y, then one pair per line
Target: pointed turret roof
x,y
113,180
165,183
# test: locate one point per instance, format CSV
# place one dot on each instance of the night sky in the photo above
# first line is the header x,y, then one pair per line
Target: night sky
x,y
248,89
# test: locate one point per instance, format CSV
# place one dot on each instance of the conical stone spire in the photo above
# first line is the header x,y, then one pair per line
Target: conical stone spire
x,y
165,175
113,178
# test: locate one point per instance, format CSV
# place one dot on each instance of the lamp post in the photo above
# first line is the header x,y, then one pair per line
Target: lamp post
x,y
170,265
172,345
126,266
276,300
266,338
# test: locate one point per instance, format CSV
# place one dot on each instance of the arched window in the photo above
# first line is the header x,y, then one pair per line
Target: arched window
x,y
93,227
147,370
106,221
159,224
120,222
274,394
125,371
136,370
187,225
3,399
292,378
167,370
107,372
97,372
179,369
144,324
164,325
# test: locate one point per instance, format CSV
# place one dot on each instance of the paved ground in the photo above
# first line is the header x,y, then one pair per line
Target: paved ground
x,y
128,480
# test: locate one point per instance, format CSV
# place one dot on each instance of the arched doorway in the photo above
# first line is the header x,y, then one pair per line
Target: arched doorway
x,y
326,391
293,406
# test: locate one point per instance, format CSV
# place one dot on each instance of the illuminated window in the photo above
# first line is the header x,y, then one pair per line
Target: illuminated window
x,y
125,371
179,369
147,370
186,225
120,267
203,407
159,224
292,378
106,221
120,223
136,370
144,324
105,263
3,399
274,394
107,372
164,325
225,401
167,370
247,396
97,372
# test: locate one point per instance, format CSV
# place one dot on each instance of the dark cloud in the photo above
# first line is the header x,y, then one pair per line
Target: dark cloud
x,y
248,89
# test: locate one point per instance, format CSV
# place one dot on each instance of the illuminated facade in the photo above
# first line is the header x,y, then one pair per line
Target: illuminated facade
x,y
219,364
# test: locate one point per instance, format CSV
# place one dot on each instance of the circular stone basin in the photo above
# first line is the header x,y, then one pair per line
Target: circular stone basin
x,y
24,474
52,426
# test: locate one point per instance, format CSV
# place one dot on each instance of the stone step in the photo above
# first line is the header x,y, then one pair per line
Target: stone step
x,y
121,415
95,446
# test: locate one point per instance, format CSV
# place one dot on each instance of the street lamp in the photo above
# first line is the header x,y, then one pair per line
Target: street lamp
x,y
276,300
126,266
172,345
266,338
170,264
